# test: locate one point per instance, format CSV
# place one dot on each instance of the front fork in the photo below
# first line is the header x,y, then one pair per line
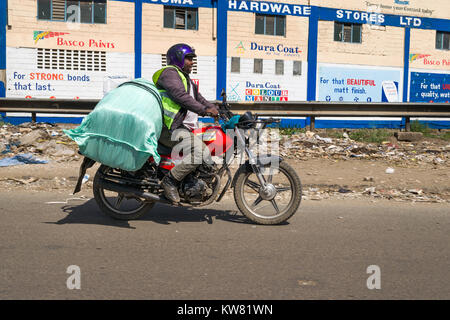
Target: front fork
x,y
252,159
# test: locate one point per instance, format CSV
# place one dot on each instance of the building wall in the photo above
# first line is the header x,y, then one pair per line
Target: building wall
x,y
156,40
379,47
245,44
382,47
248,86
377,59
429,69
72,49
381,55
118,31
425,54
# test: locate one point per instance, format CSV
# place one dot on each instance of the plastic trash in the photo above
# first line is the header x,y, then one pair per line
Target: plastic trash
x,y
85,179
390,170
24,158
326,140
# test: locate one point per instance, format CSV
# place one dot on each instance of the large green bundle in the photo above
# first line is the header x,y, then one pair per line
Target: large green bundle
x,y
123,129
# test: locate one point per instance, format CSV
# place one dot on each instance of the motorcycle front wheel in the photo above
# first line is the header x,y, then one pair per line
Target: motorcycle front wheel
x,y
274,205
118,205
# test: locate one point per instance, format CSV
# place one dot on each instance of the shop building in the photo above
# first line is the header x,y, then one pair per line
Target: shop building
x,y
279,50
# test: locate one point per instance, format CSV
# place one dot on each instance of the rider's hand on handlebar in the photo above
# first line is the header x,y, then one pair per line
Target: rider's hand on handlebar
x,y
212,111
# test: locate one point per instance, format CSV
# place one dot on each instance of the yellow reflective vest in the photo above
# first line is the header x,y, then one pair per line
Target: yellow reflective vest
x,y
170,107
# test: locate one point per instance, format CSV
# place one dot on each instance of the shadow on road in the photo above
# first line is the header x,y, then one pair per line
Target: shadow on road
x,y
89,213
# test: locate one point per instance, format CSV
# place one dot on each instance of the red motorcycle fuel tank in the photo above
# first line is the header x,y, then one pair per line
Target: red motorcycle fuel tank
x,y
213,136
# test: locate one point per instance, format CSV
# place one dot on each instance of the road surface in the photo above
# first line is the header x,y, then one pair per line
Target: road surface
x,y
330,249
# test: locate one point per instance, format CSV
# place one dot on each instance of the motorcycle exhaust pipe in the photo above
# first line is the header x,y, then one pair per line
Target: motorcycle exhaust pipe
x,y
117,187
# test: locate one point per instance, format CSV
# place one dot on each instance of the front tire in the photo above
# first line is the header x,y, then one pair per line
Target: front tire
x,y
113,204
251,204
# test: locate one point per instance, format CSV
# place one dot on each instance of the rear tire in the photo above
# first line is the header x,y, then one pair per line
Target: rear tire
x,y
114,211
242,178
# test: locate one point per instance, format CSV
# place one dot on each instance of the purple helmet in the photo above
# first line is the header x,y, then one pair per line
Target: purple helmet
x,y
177,53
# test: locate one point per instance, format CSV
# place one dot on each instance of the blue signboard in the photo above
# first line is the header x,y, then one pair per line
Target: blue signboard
x,y
429,87
355,16
332,14
269,8
352,84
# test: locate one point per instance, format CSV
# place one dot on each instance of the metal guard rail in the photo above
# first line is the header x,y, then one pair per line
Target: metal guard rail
x,y
278,109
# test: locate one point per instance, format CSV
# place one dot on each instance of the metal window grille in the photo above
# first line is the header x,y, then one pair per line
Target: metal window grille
x,y
279,67
90,11
180,18
79,60
347,32
442,40
258,66
297,68
235,64
59,10
270,25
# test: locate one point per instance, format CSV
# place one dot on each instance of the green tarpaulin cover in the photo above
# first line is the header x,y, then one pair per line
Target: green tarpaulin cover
x,y
123,129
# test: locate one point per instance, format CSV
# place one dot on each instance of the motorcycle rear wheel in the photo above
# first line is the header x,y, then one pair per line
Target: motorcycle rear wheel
x,y
118,205
250,202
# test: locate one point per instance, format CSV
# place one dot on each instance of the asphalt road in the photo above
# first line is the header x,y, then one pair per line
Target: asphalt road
x,y
323,252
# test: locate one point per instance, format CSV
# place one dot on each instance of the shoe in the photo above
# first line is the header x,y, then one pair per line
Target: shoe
x,y
170,186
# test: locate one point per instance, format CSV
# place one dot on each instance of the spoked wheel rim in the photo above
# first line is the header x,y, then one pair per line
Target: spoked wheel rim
x,y
265,204
119,202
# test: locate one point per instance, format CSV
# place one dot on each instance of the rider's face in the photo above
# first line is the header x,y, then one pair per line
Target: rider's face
x,y
188,64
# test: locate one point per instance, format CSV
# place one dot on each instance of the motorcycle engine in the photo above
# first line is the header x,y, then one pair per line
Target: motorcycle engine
x,y
193,189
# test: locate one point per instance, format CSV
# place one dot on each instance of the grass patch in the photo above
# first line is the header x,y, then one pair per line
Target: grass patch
x,y
334,134
370,135
446,136
416,126
291,130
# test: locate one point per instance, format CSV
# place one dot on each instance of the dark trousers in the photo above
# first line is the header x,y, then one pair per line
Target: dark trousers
x,y
194,150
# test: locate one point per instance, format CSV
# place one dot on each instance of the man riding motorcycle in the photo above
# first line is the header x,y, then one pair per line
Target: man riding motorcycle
x,y
182,103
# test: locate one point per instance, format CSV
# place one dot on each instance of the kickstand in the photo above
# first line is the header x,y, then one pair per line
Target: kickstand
x,y
87,163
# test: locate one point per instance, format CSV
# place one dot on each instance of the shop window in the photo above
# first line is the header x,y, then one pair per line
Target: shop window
x,y
84,11
279,67
347,32
270,25
297,68
181,18
164,63
79,60
44,9
258,66
442,40
235,64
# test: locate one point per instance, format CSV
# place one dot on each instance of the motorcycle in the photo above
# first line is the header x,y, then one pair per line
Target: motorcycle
x,y
264,194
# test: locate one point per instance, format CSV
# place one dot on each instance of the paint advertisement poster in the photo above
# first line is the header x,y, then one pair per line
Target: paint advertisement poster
x,y
355,84
429,87
53,84
257,91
